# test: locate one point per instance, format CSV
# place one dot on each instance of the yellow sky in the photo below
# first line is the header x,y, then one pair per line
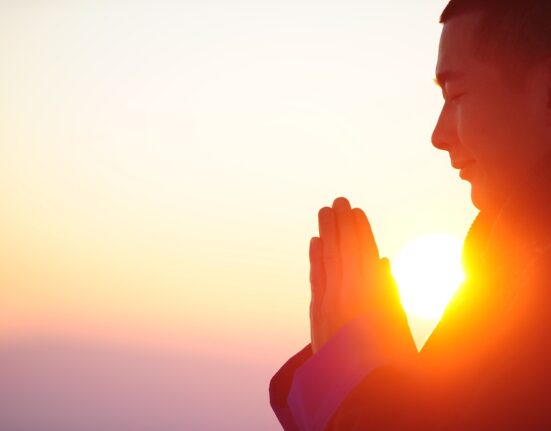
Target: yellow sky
x,y
162,164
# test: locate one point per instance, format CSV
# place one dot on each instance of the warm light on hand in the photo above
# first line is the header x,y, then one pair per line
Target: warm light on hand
x,y
428,272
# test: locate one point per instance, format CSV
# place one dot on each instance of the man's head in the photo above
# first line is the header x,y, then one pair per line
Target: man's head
x,y
494,67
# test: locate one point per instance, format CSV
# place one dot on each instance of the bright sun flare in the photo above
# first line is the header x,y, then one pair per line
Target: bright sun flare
x,y
428,272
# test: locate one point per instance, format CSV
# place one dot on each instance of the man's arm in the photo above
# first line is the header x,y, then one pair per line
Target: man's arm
x,y
280,386
310,389
389,398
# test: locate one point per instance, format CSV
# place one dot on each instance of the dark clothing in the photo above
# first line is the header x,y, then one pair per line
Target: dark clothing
x,y
487,364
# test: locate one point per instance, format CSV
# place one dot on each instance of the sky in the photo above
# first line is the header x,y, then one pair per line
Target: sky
x,y
161,168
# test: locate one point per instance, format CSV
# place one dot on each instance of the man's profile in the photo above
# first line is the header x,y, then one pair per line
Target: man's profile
x,y
487,365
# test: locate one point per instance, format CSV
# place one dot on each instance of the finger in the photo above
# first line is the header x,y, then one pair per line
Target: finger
x,y
331,253
367,242
349,244
341,204
317,283
392,292
317,275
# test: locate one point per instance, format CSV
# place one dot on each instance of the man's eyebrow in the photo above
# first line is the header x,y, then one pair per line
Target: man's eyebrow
x,y
446,76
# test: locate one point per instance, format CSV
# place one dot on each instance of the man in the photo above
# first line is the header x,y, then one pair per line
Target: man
x,y
487,365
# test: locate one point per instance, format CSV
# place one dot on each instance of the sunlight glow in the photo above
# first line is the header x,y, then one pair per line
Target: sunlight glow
x,y
428,272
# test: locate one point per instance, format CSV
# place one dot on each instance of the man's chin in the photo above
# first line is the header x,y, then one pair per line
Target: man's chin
x,y
489,204
477,198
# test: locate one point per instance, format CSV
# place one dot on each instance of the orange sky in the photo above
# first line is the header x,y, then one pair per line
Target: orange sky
x,y
161,165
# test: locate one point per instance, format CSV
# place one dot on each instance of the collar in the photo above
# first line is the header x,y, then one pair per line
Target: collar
x,y
505,244
496,252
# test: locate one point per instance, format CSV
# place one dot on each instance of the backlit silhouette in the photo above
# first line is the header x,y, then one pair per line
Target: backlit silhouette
x,y
486,365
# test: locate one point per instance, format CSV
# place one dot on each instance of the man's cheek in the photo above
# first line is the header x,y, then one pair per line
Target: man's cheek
x,y
474,132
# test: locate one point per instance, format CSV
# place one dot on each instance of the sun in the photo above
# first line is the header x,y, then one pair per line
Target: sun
x,y
428,272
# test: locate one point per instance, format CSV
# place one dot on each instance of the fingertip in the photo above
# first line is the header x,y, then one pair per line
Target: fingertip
x,y
314,241
341,203
361,219
315,247
325,213
359,213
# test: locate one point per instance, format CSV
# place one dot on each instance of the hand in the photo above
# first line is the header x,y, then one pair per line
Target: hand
x,y
348,279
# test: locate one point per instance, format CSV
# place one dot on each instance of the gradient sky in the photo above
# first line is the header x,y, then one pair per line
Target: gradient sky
x,y
162,165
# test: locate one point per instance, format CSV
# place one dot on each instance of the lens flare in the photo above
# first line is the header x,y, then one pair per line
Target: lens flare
x,y
428,272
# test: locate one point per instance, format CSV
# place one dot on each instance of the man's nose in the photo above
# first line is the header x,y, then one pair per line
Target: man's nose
x,y
442,136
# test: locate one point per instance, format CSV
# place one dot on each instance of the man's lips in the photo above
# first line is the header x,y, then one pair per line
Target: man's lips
x,y
462,164
464,167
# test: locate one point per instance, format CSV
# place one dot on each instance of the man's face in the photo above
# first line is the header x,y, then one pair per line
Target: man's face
x,y
493,128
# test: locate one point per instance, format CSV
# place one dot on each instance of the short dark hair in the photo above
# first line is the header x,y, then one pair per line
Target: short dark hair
x,y
521,27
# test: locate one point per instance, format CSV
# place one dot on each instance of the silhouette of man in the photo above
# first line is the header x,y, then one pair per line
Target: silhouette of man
x,y
487,364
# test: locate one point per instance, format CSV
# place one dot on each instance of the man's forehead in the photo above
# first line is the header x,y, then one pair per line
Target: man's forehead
x,y
456,53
